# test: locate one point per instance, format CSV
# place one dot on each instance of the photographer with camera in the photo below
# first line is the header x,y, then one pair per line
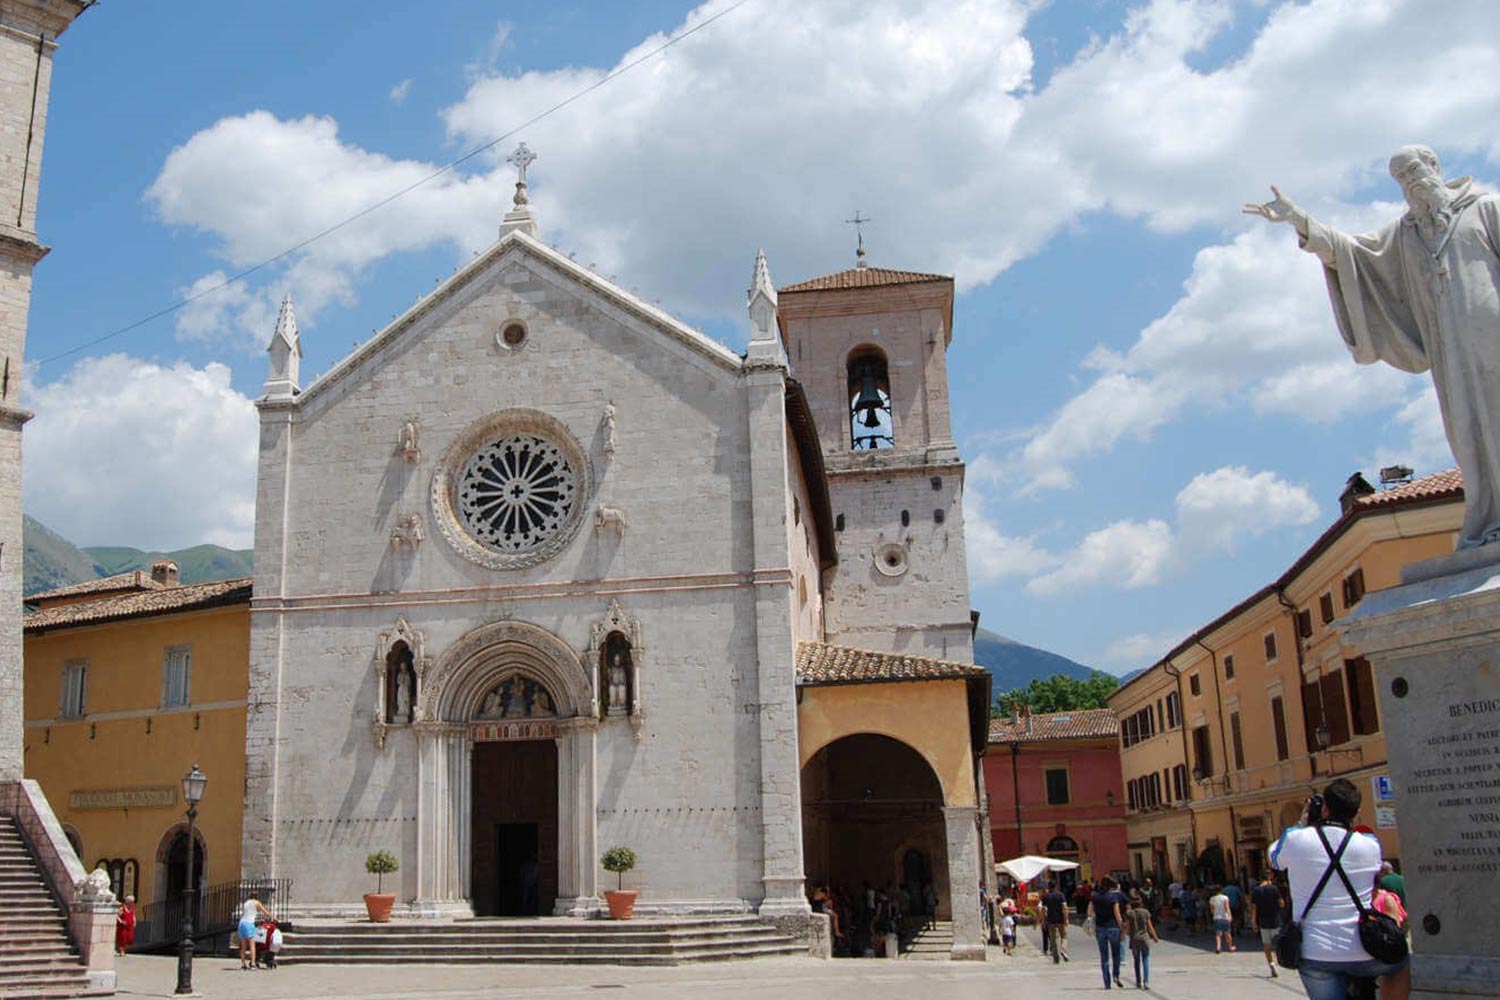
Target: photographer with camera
x,y
1325,860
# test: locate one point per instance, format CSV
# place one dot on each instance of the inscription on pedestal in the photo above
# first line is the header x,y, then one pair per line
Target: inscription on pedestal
x,y
1458,790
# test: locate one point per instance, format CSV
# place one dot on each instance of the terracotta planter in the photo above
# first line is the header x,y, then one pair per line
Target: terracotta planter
x,y
621,903
378,905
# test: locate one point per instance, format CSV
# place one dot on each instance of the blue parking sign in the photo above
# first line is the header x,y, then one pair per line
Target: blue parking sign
x,y
1381,784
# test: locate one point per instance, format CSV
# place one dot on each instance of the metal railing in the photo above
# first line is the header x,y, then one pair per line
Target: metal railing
x,y
216,912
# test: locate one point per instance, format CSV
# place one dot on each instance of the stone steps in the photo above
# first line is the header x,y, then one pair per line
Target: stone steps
x,y
37,961
932,942
553,941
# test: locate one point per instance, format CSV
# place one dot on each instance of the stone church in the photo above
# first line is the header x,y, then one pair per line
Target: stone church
x,y
540,570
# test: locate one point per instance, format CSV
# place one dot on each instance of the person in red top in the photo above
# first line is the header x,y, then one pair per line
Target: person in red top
x,y
125,926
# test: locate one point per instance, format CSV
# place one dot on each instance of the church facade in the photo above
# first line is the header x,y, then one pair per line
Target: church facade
x,y
535,568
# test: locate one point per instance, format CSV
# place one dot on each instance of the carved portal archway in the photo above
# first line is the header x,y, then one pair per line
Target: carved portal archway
x,y
504,681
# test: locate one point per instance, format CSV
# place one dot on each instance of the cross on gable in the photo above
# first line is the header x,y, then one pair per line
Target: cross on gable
x,y
522,158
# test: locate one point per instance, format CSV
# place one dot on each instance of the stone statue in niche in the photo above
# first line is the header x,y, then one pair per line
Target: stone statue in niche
x,y
517,697
609,430
617,676
401,684
407,441
408,531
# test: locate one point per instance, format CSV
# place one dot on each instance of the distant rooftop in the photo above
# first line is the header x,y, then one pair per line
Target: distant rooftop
x,y
862,277
1087,723
138,579
820,663
139,603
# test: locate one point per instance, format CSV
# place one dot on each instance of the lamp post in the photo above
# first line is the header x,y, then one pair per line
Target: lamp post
x,y
192,791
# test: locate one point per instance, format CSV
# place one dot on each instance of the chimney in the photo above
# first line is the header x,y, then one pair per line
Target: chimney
x,y
1355,486
164,573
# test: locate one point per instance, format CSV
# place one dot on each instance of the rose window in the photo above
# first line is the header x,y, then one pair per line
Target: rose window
x,y
516,493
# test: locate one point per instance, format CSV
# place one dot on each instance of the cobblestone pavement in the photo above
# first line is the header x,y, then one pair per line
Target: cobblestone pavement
x,y
1181,970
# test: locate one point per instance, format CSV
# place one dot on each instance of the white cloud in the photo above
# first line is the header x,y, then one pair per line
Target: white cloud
x,y
397,94
1426,446
936,123
993,555
1218,508
226,313
1141,648
1127,554
126,452
1213,513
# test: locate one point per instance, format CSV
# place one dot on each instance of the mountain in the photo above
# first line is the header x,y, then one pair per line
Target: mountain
x,y
1014,664
51,560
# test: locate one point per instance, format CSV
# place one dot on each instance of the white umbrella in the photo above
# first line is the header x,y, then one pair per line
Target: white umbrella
x,y
1029,866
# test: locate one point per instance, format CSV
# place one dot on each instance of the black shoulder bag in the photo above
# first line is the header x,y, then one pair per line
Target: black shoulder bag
x,y
1379,934
1288,942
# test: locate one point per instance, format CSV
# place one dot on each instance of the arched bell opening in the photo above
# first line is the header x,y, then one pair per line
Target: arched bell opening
x,y
871,426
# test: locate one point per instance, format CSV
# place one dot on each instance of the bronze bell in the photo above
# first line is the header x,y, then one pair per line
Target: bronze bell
x,y
868,401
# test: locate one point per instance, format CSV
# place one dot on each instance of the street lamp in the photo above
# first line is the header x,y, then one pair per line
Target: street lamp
x,y
1321,736
193,784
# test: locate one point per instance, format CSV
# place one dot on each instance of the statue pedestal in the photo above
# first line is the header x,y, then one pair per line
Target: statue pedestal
x,y
1434,642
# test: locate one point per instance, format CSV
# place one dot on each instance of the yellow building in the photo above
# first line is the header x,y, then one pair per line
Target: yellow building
x,y
1225,737
130,681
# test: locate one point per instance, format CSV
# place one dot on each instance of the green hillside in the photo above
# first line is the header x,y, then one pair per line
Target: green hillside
x,y
1015,664
53,561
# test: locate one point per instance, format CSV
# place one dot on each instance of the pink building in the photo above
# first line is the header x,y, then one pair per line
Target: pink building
x,y
1071,801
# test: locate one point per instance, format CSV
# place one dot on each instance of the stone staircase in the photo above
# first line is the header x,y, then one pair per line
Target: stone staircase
x,y
933,942
544,941
36,958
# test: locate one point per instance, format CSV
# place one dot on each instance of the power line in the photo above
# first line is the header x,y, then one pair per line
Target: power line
x,y
376,206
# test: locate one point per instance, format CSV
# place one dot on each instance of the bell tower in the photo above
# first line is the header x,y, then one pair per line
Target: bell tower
x,y
869,346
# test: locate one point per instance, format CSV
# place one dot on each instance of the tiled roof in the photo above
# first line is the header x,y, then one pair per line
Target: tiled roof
x,y
1449,482
139,604
1088,723
821,663
862,277
137,579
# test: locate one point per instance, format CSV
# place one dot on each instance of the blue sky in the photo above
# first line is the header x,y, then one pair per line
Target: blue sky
x,y
1148,386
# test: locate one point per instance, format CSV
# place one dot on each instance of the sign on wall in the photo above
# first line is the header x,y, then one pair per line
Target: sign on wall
x,y
149,797
1381,789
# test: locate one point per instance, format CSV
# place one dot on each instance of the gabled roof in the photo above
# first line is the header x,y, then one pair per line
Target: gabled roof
x,y
140,604
862,277
518,241
137,579
1439,485
821,663
1087,723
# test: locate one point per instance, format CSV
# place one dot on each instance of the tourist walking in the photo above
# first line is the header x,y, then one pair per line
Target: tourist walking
x,y
1265,913
125,926
1332,954
1105,908
1055,920
1142,932
1008,932
1223,918
250,913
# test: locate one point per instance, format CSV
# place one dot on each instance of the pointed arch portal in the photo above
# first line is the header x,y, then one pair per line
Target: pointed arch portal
x,y
507,759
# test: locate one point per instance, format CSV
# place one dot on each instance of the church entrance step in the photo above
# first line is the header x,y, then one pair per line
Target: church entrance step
x,y
538,941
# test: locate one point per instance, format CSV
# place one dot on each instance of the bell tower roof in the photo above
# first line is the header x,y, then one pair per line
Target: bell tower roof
x,y
863,277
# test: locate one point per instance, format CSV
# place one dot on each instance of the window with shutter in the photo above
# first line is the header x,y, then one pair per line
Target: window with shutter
x,y
1229,668
1270,647
74,689
1057,786
1312,714
1304,624
176,677
1334,713
1237,741
1278,723
1364,715
1203,758
1194,687
1325,608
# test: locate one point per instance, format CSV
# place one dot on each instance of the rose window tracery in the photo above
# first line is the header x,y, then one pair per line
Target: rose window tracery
x,y
516,493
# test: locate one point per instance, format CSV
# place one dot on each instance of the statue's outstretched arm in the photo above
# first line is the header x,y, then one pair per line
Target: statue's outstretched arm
x,y
1280,209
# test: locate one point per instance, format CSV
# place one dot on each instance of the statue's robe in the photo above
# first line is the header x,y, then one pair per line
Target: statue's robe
x,y
1419,305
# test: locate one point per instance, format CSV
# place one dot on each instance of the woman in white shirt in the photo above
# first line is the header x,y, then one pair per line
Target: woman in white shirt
x,y
248,912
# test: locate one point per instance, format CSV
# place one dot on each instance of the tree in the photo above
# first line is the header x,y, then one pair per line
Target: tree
x,y
1059,693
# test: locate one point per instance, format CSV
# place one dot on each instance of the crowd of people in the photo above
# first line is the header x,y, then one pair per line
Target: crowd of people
x,y
871,922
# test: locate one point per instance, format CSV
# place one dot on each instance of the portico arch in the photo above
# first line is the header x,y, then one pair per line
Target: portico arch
x,y
457,717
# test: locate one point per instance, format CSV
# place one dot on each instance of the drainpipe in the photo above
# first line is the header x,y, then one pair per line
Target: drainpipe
x,y
1015,788
1234,826
1176,674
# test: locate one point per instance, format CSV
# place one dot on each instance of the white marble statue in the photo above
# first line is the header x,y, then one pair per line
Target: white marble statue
x,y
1424,293
618,685
95,887
403,693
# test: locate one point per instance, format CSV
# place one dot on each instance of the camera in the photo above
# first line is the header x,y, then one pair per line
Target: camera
x,y
1315,810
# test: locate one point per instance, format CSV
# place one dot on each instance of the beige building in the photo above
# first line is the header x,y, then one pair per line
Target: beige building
x,y
1225,737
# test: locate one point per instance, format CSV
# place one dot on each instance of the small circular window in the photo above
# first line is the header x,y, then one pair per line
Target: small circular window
x,y
890,559
512,335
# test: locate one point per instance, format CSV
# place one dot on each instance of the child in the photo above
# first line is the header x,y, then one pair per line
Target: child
x,y
1008,931
1142,933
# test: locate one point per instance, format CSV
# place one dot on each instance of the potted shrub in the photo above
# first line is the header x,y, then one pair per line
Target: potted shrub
x,y
378,904
621,900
